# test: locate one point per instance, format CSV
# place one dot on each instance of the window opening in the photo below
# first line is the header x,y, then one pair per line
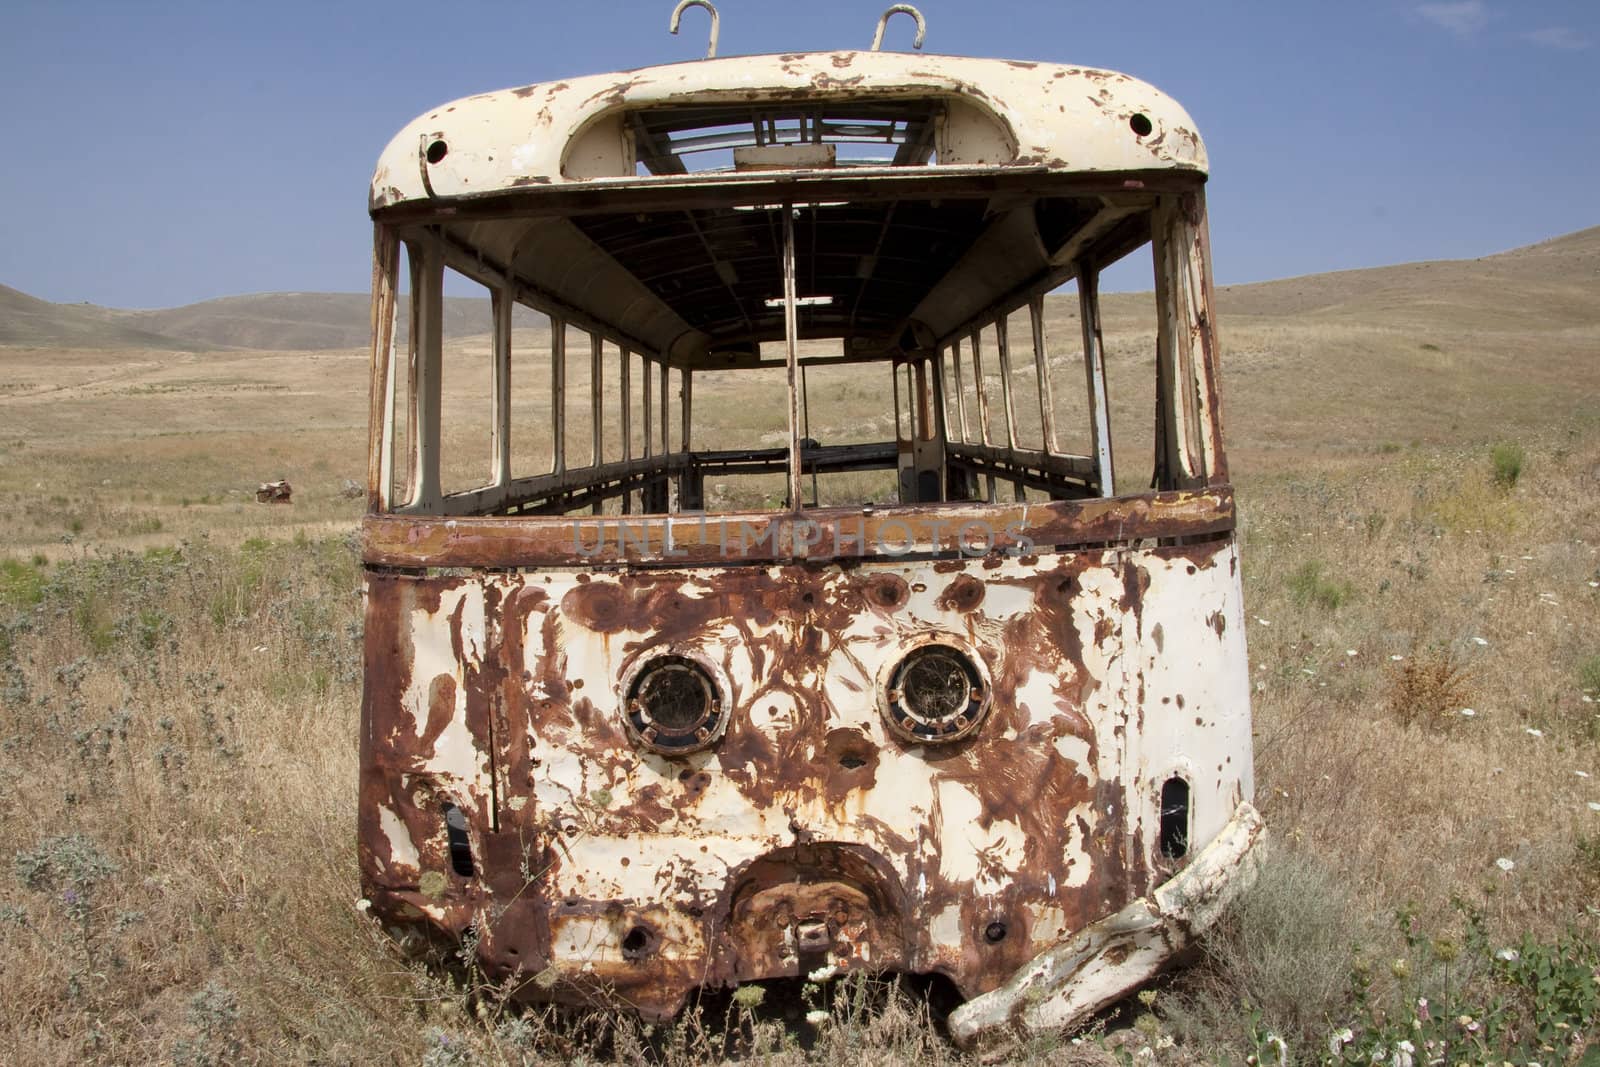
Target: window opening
x,y
1174,833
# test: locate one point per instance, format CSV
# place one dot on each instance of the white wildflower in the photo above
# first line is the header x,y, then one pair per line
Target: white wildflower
x,y
1337,1041
1397,657
1280,1050
1505,955
1532,732
1480,641
363,905
1467,713
817,1018
822,974
1351,652
1402,1054
1594,805
1505,864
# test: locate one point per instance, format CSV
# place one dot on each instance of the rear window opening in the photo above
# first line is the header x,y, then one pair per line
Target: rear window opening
x,y
693,139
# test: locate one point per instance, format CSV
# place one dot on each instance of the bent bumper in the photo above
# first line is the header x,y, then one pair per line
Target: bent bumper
x,y
1101,963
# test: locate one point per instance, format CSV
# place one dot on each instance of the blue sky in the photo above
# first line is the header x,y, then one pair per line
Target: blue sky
x,y
166,153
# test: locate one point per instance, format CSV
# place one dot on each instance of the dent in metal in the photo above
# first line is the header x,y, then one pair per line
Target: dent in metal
x,y
1096,966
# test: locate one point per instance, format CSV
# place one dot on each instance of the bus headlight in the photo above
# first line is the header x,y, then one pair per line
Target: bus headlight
x,y
673,705
936,694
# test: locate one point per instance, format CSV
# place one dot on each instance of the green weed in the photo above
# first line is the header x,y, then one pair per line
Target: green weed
x,y
1589,675
1506,460
1310,587
21,584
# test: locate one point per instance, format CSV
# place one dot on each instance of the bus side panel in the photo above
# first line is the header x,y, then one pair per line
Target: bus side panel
x,y
1187,662
425,742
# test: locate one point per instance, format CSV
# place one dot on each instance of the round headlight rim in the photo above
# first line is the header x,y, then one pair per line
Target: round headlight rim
x,y
909,726
670,742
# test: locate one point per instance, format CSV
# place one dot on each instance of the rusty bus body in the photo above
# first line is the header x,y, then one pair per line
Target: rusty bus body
x,y
995,729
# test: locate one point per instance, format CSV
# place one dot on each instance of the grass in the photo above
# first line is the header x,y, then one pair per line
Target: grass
x,y
1309,585
1589,675
186,716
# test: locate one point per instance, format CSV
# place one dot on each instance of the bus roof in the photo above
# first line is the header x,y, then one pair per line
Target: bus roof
x,y
805,112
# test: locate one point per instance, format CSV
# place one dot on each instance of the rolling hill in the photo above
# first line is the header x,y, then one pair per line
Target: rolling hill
x,y
1555,280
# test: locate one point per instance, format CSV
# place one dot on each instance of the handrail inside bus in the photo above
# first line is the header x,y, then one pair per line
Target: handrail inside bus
x,y
716,22
903,9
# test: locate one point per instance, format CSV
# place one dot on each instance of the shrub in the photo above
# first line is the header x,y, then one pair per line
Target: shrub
x,y
213,1040
1429,688
1507,459
1310,587
1283,952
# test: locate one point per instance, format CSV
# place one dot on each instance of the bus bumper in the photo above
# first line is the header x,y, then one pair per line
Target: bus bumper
x,y
1103,962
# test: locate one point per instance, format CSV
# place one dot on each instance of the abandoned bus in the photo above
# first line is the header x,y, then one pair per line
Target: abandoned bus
x,y
760,586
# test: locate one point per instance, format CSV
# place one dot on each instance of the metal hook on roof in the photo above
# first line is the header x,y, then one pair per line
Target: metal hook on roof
x,y
716,22
904,9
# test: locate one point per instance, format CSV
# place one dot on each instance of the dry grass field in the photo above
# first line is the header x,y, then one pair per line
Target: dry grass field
x,y
1417,451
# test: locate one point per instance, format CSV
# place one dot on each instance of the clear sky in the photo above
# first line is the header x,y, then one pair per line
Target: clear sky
x,y
162,153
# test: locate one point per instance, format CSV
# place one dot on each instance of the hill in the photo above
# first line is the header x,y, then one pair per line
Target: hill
x,y
27,320
1523,287
1554,280
261,321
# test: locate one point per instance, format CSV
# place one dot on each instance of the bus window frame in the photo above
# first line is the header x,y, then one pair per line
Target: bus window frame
x,y
1190,456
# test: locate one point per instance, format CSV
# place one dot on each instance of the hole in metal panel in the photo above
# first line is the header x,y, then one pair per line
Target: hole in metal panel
x,y
637,943
675,695
1174,833
437,151
934,684
995,932
455,827
1141,125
